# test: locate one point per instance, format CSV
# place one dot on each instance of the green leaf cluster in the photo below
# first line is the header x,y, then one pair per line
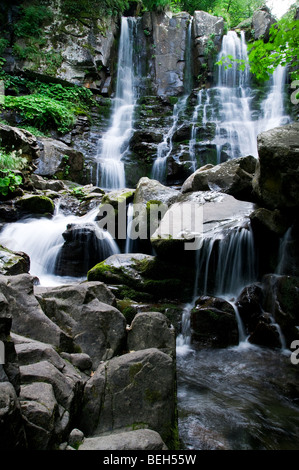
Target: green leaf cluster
x,y
11,161
9,182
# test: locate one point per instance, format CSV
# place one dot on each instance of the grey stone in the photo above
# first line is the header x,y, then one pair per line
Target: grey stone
x,y
141,439
262,21
12,263
76,438
151,330
134,388
11,424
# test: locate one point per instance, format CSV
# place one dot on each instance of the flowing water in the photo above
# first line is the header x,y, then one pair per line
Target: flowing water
x,y
113,146
42,240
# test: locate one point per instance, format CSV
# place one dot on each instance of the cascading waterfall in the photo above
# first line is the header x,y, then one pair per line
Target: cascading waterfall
x,y
113,146
165,147
228,106
42,240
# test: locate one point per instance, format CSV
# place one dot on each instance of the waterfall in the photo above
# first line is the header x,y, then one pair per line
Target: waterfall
x,y
228,106
113,146
230,261
42,240
165,147
130,216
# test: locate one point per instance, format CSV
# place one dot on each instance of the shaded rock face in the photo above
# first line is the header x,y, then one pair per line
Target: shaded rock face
x,y
276,180
262,21
21,140
129,379
206,27
169,37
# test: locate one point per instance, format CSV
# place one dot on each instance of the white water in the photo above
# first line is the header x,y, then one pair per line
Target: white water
x,y
41,239
229,106
113,145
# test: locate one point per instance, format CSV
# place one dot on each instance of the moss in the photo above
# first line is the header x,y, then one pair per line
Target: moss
x,y
152,396
134,369
36,205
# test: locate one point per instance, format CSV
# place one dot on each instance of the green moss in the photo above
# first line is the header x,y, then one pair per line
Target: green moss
x,y
134,369
36,205
152,396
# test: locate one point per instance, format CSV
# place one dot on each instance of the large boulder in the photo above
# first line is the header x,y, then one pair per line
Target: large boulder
x,y
262,21
59,160
12,263
11,425
98,328
276,181
195,217
28,319
232,177
151,330
135,389
20,140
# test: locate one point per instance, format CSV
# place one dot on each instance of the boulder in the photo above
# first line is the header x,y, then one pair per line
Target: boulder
x,y
196,217
35,204
98,328
11,424
141,439
232,177
28,317
262,21
21,140
213,323
12,263
60,160
135,388
151,330
265,334
143,277
276,181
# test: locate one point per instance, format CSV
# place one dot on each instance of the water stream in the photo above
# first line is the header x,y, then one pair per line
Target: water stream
x,y
113,146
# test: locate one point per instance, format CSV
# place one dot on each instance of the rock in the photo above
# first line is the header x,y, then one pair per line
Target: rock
x,y
28,317
19,139
11,424
98,328
151,190
141,439
265,335
213,323
130,389
76,438
151,330
84,246
197,217
262,21
35,205
206,26
249,304
143,277
169,36
82,361
40,410
59,160
12,263
43,184
281,296
119,196
232,177
276,181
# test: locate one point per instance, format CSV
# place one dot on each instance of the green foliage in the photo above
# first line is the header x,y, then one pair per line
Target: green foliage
x,y
156,5
11,161
42,112
9,182
281,49
31,20
93,9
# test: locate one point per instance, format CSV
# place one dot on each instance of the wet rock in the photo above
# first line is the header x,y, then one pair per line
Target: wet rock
x,y
213,323
265,335
249,304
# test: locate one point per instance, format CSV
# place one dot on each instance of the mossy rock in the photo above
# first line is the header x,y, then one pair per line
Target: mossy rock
x,y
36,205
